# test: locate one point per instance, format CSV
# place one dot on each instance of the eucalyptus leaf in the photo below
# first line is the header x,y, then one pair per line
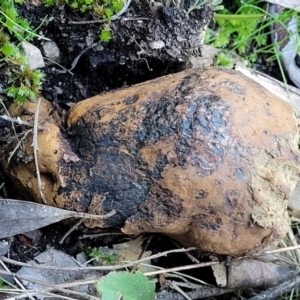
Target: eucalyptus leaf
x,y
130,286
17,216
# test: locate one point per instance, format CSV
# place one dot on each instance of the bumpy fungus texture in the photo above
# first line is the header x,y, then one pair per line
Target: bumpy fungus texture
x,y
209,158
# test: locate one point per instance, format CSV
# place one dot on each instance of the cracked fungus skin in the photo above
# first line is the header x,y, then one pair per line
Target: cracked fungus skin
x,y
207,157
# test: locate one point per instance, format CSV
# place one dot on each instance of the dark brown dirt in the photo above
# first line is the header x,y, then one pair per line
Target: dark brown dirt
x,y
130,57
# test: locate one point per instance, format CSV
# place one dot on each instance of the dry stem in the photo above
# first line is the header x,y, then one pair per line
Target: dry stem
x,y
106,268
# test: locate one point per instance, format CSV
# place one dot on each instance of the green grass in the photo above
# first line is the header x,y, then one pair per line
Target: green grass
x,y
244,32
23,83
99,9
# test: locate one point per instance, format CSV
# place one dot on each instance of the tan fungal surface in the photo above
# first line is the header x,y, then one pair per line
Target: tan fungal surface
x,y
209,158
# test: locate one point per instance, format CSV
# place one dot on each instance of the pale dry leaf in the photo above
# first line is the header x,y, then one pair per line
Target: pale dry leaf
x,y
17,216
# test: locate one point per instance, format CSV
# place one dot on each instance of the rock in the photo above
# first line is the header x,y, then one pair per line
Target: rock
x,y
57,258
51,51
4,247
209,158
208,54
33,55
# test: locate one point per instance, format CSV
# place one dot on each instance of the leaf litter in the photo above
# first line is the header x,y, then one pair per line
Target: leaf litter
x,y
18,216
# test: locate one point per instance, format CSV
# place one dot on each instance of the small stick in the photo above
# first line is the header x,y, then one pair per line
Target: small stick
x,y
36,148
116,267
16,279
59,65
282,249
74,227
197,294
173,285
87,22
93,217
276,291
7,112
190,256
21,122
141,254
18,145
96,235
188,267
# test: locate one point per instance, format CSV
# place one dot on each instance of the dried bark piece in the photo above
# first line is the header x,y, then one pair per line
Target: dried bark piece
x,y
247,273
207,157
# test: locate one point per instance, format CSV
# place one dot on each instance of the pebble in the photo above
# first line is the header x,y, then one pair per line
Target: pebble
x,y
33,55
51,51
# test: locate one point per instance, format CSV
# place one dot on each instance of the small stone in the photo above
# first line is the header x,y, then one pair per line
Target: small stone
x,y
33,55
174,52
51,51
4,247
58,90
55,258
157,44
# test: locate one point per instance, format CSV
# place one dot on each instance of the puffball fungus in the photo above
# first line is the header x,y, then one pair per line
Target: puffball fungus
x,y
207,157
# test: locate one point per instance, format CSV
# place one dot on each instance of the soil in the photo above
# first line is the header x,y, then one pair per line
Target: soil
x,y
130,57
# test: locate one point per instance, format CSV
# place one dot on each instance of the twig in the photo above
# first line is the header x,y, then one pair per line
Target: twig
x,y
87,22
282,250
134,19
141,254
197,294
18,145
107,268
189,267
37,293
16,280
72,284
179,290
276,291
141,52
58,287
65,70
190,256
182,276
93,217
36,148
96,235
187,284
21,122
54,287
12,124
55,296
74,227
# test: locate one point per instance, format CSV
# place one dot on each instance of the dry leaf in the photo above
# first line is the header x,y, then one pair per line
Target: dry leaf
x,y
17,216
